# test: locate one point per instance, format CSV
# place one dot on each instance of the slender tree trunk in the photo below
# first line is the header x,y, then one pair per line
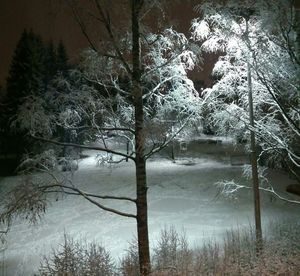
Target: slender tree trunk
x,y
255,180
140,163
142,218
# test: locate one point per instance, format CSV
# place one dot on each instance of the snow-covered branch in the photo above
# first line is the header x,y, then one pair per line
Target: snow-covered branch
x,y
230,188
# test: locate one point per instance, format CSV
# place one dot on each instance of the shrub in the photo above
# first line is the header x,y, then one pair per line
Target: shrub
x,y
78,259
172,255
129,265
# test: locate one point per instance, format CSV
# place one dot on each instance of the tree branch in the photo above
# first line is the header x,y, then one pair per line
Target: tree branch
x,y
106,208
83,147
102,128
78,192
4,231
162,65
234,187
106,21
88,195
289,120
166,142
81,25
273,192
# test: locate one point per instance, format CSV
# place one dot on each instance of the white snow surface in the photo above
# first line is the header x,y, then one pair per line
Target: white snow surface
x,y
181,194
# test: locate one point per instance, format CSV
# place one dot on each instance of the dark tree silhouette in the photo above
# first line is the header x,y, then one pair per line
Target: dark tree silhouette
x,y
33,68
25,77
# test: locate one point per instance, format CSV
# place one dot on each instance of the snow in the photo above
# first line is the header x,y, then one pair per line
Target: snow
x,y
181,194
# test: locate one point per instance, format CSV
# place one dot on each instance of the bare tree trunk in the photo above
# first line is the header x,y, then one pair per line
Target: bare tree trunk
x,y
255,179
140,163
142,218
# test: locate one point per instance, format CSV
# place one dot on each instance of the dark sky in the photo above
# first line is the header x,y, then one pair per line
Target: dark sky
x,y
49,20
53,20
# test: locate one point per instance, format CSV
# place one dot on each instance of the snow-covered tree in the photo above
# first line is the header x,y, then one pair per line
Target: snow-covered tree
x,y
271,52
256,93
132,85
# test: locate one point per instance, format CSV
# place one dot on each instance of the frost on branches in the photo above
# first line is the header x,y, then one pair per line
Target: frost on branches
x,y
169,96
96,98
272,48
95,101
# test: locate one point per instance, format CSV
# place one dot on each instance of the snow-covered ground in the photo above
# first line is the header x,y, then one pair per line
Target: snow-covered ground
x,y
181,194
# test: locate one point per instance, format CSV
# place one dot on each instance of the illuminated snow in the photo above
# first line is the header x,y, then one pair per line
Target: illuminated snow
x,y
181,194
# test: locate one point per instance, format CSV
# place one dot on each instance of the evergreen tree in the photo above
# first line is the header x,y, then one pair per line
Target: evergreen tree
x,y
25,78
33,71
62,59
25,74
50,64
2,93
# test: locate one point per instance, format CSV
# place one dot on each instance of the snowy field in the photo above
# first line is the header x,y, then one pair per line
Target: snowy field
x,y
181,194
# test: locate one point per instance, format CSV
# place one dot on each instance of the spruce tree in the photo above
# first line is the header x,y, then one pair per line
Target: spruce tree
x,y
33,69
50,64
25,74
62,60
25,78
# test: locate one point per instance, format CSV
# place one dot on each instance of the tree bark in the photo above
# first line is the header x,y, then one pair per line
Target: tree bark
x,y
142,218
140,162
255,178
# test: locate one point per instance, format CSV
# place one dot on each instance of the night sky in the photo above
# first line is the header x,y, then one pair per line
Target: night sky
x,y
53,20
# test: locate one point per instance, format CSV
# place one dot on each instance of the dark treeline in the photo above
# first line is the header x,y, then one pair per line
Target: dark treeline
x,y
33,70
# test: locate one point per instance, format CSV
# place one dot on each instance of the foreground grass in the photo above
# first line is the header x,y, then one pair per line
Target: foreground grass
x,y
173,256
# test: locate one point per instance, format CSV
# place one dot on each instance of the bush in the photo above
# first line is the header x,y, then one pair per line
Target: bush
x,y
235,256
129,265
172,255
77,259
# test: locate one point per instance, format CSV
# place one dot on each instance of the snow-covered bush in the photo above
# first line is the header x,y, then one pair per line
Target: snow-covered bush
x,y
129,264
78,259
236,255
172,253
